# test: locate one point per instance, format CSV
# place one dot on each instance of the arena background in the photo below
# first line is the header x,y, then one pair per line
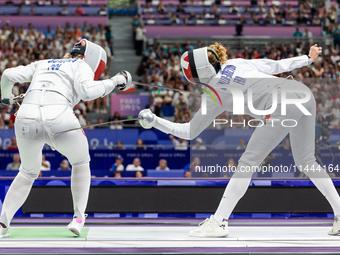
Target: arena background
x,y
147,39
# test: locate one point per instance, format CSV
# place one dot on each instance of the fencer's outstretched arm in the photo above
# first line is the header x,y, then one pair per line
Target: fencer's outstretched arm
x,y
16,74
88,89
187,131
270,67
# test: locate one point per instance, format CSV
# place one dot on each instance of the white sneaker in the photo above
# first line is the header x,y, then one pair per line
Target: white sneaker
x,y
76,225
336,226
4,231
210,228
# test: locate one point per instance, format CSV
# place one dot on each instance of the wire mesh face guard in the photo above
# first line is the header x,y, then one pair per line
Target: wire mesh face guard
x,y
196,67
93,54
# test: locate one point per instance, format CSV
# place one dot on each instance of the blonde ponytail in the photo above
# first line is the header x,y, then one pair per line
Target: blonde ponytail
x,y
79,56
221,52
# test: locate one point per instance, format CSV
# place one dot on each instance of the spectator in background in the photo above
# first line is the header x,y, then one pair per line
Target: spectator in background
x,y
179,144
198,145
138,174
19,11
140,35
32,12
163,165
79,11
64,166
24,2
45,164
180,9
102,11
117,174
2,124
241,144
140,145
160,8
147,9
87,2
13,146
233,9
48,2
135,166
38,3
118,166
116,124
119,146
286,144
15,165
64,11
308,35
297,32
175,20
109,39
135,23
100,121
301,19
187,174
231,164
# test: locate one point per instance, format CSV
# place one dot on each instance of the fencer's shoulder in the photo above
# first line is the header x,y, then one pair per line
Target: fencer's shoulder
x,y
83,65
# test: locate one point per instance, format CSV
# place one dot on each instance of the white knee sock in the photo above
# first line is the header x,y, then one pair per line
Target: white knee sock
x,y
80,187
15,197
325,185
235,190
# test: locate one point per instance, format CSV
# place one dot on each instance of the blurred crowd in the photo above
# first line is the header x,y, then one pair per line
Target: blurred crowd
x,y
258,14
45,2
21,46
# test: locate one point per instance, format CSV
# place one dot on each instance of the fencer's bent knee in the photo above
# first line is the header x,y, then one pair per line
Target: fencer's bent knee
x,y
29,175
244,170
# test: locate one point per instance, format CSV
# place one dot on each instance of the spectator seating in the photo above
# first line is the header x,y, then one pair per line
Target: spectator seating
x,y
170,173
47,10
69,2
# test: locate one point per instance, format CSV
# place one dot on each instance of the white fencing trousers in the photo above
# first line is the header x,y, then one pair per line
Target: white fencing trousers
x,y
31,136
264,140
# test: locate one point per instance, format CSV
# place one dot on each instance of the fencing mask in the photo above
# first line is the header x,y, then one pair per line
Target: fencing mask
x,y
93,54
196,67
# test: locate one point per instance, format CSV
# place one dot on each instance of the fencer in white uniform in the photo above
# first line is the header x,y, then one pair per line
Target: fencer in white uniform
x,y
204,66
56,86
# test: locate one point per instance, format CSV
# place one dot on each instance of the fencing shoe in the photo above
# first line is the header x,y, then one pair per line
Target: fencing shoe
x,y
76,225
4,231
210,228
336,226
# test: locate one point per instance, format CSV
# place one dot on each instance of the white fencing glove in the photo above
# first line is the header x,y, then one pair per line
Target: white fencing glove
x,y
146,118
123,80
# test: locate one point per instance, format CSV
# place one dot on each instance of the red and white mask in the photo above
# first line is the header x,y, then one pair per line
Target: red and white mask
x,y
94,56
196,67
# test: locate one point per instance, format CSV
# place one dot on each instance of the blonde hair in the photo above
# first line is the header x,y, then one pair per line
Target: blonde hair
x,y
220,51
79,56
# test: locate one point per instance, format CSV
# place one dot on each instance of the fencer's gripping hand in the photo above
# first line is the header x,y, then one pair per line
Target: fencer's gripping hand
x,y
314,52
146,118
8,100
123,80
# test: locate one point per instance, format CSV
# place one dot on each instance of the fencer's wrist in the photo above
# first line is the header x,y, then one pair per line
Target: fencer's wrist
x,y
310,61
109,85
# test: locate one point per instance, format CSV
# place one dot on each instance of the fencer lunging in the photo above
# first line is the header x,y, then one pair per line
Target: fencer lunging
x,y
57,85
209,66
